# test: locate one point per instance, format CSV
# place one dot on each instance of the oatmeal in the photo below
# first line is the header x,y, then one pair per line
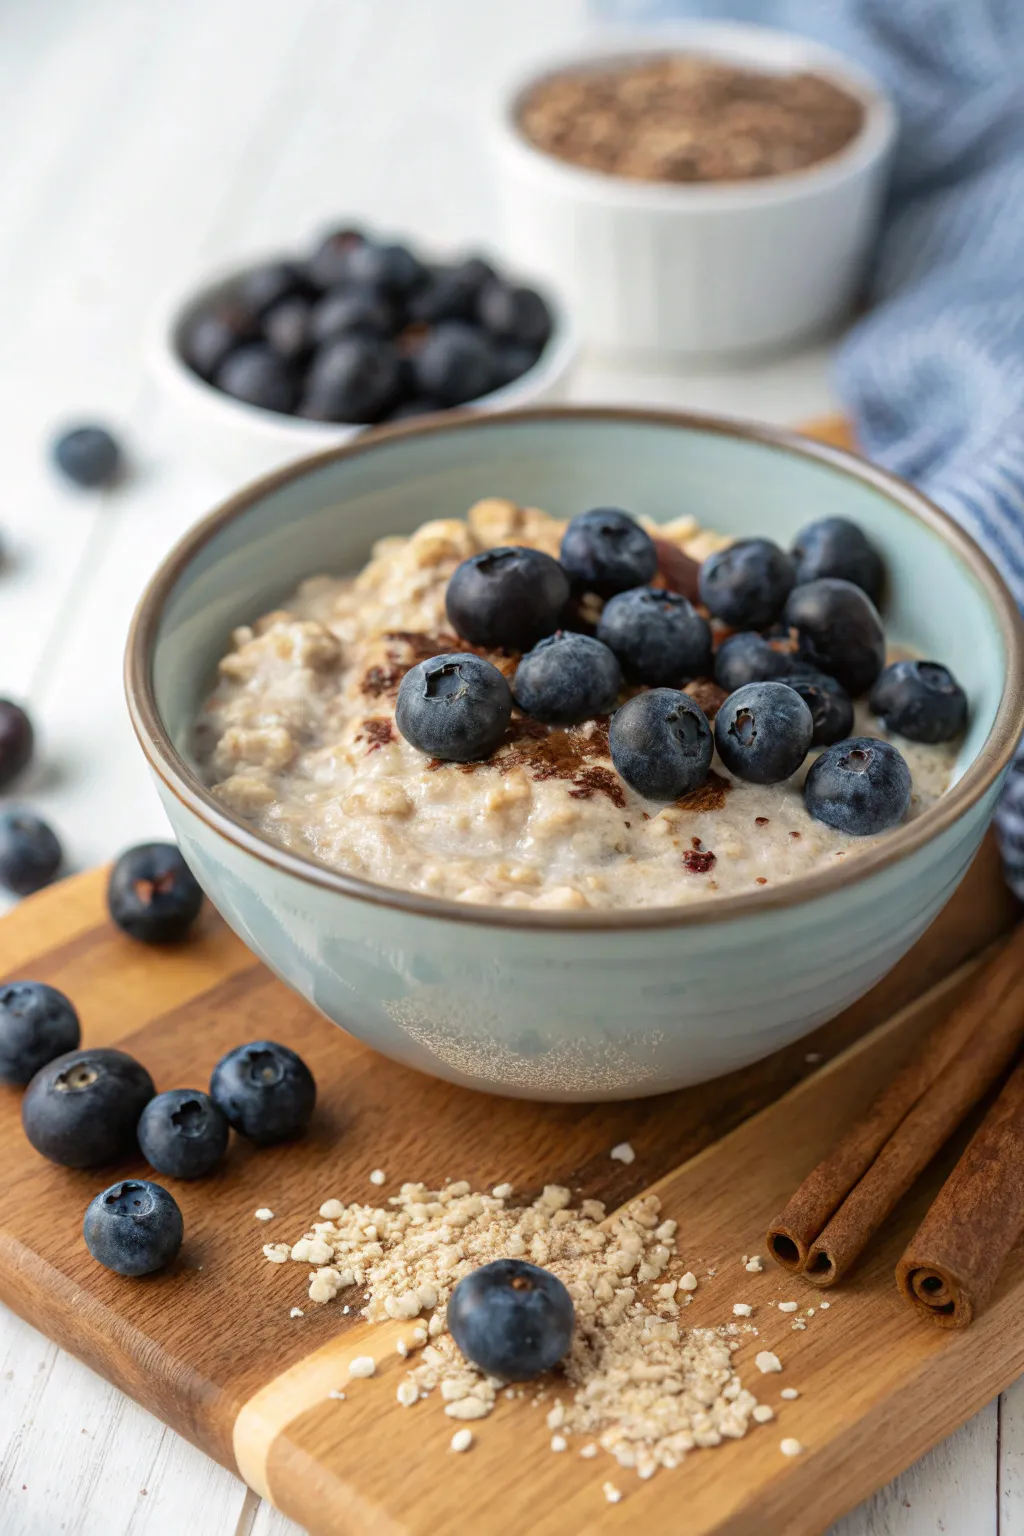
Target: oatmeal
x,y
299,740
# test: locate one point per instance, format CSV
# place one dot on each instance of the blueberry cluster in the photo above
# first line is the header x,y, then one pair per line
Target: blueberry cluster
x,y
364,331
30,851
802,640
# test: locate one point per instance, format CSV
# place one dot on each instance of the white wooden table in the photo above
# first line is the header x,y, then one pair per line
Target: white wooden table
x,y
141,140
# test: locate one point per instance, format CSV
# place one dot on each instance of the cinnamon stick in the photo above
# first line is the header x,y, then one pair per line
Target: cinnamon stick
x,y
839,1206
954,1259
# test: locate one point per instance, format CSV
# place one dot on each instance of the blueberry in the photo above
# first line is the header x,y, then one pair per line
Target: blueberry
x,y
17,740
836,547
266,1091
353,379
514,314
419,405
368,311
830,706
763,732
255,374
839,632
455,707
567,678
606,551
921,700
451,293
88,456
330,262
262,287
391,267
511,1319
30,854
507,598
152,894
37,1023
183,1133
212,334
133,1228
746,585
82,1108
511,361
749,658
661,744
287,329
455,363
657,635
859,786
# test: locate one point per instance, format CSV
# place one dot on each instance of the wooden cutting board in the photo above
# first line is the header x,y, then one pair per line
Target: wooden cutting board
x,y
210,1347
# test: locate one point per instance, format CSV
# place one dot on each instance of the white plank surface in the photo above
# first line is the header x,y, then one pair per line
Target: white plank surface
x,y
144,141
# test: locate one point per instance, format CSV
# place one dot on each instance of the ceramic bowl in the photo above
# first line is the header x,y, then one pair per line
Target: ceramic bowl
x,y
585,1005
701,270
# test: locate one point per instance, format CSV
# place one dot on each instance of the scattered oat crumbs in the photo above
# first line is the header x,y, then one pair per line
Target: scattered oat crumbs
x,y
810,1311
742,1309
502,1191
623,1153
823,1306
277,1253
611,1493
331,1210
788,1306
362,1365
800,1325
689,1281
402,1348
264,1214
767,1362
559,1443
462,1440
790,1447
408,1393
754,1265
790,1394
763,1414
378,1176
336,1396
296,1312
588,1452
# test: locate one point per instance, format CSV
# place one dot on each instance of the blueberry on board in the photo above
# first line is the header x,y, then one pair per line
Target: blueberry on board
x,y
354,378
451,292
17,740
37,1023
763,732
265,1090
255,374
661,744
455,363
834,546
830,705
567,678
210,335
353,308
455,707
859,786
514,314
838,631
88,456
30,853
134,1227
152,894
391,267
658,636
330,262
266,285
507,598
606,551
511,1319
921,700
83,1108
183,1134
746,585
749,658
286,327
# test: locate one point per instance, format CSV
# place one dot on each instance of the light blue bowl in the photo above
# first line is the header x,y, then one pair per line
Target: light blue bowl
x,y
577,1005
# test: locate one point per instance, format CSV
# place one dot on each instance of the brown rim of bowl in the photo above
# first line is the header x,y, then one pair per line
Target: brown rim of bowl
x,y
186,786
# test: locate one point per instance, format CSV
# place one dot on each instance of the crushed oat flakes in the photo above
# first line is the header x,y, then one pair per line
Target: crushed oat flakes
x,y
408,1393
559,1443
823,1306
754,1265
588,1451
763,1414
623,1153
362,1365
767,1362
799,1325
790,1394
263,1214
790,1447
611,1493
689,1281
788,1306
462,1440
338,1397
296,1312
378,1176
742,1309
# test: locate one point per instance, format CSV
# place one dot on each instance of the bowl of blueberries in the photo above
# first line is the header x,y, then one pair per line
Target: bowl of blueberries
x,y
285,355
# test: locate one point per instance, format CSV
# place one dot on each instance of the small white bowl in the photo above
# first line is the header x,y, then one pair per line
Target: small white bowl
x,y
243,440
703,269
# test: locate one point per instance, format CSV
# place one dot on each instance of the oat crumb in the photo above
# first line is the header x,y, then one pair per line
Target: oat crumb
x,y
689,1281
790,1447
763,1413
502,1191
408,1393
800,1325
810,1311
754,1265
824,1305
402,1348
362,1365
588,1452
611,1493
336,1396
790,1394
559,1443
788,1306
378,1176
767,1362
264,1213
296,1312
462,1440
742,1309
623,1153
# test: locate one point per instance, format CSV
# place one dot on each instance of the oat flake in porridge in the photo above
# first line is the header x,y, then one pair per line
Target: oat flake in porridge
x,y
299,740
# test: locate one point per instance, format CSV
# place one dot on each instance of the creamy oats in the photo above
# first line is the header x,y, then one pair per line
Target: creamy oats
x,y
299,740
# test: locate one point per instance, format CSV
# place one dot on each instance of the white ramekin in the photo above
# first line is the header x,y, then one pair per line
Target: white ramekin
x,y
702,270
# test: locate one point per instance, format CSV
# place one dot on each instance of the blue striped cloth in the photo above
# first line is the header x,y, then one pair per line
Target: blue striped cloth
x,y
933,375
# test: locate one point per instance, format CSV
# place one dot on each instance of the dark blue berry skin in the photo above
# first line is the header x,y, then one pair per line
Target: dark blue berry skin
x,y
661,744
511,361
921,700
747,584
836,547
17,741
455,707
859,786
133,1228
657,635
256,374
88,456
391,267
830,705
507,598
37,1023
183,1134
286,328
838,632
30,853
354,378
511,1319
331,262
212,334
455,363
763,732
266,1092
514,314
418,406
748,658
362,310
152,894
262,287
83,1108
452,292
567,678
606,551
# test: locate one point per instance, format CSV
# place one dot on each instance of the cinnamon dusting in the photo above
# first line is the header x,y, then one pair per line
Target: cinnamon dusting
x,y
709,797
377,731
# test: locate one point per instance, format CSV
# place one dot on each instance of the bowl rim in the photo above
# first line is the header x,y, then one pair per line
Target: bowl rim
x,y
720,39
186,786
